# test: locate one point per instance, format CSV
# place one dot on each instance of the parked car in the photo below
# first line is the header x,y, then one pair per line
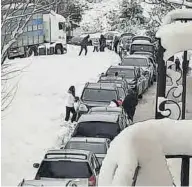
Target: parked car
x,y
99,126
121,83
141,61
98,146
142,46
66,165
97,94
132,76
147,38
110,111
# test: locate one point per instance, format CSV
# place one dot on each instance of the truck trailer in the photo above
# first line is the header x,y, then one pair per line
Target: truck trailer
x,y
44,34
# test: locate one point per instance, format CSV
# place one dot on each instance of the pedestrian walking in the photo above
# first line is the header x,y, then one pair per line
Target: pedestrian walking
x,y
96,45
177,64
71,99
115,44
129,104
102,42
84,44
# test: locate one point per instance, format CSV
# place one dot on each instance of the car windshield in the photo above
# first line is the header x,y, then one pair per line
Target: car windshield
x,y
99,95
134,62
97,129
64,169
128,73
142,47
95,147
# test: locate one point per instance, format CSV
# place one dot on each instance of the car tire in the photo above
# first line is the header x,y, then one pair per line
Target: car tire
x,y
58,49
140,96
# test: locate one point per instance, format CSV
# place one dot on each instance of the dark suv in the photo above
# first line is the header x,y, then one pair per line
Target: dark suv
x,y
98,94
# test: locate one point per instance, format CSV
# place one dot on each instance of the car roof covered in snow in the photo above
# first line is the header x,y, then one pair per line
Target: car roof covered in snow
x,y
105,109
142,42
135,56
122,67
101,85
88,139
70,153
95,117
113,78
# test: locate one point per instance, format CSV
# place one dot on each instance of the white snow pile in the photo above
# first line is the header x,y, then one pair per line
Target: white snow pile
x,y
146,144
32,123
175,37
177,14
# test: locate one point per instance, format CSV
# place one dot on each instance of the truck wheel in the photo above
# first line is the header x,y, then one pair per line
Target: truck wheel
x,y
58,49
64,51
32,51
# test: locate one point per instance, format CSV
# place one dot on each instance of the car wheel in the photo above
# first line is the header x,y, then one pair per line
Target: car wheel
x,y
58,49
140,96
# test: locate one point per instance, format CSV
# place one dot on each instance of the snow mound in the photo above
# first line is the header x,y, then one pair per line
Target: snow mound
x,y
146,143
175,38
177,14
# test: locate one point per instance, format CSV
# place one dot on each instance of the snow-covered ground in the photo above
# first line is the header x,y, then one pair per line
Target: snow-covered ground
x,y
32,123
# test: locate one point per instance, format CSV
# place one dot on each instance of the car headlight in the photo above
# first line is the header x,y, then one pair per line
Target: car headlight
x,y
83,108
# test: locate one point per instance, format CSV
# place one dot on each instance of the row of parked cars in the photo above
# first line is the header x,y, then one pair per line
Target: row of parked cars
x,y
78,161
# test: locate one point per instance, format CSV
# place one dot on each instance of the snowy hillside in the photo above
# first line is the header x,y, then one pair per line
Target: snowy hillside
x,y
32,123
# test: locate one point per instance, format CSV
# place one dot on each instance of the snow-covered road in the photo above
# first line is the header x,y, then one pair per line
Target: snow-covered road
x,y
32,123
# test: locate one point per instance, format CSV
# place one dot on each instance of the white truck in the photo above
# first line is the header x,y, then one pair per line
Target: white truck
x,y
44,34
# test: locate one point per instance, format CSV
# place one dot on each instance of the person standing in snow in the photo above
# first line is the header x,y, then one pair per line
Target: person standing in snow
x,y
177,64
116,42
96,44
102,42
129,104
71,99
84,44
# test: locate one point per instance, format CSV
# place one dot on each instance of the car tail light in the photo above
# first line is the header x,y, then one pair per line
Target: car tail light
x,y
92,181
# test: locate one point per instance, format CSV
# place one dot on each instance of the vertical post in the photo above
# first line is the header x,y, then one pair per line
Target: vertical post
x,y
185,171
184,81
161,80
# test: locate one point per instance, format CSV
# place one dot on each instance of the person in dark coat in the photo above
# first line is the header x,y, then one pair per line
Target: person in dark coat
x,y
84,44
177,64
102,42
71,99
116,42
129,104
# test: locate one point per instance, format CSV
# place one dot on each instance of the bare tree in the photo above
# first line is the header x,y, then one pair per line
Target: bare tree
x,y
15,16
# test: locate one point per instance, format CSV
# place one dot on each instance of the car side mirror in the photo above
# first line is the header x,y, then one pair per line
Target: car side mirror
x,y
36,165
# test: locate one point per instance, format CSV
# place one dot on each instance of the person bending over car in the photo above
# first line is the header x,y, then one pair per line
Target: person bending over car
x,y
129,104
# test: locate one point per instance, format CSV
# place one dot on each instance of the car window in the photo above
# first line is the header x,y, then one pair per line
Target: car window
x,y
64,169
95,147
134,62
142,47
97,129
99,95
128,73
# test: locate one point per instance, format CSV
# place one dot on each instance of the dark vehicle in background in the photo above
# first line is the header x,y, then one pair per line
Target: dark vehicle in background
x,y
98,146
142,46
146,38
132,76
67,165
76,40
99,126
140,61
98,94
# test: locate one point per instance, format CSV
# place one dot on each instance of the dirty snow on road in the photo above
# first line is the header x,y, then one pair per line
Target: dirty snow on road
x,y
32,123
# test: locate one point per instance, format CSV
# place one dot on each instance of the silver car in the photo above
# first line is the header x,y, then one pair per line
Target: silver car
x,y
68,166
98,146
